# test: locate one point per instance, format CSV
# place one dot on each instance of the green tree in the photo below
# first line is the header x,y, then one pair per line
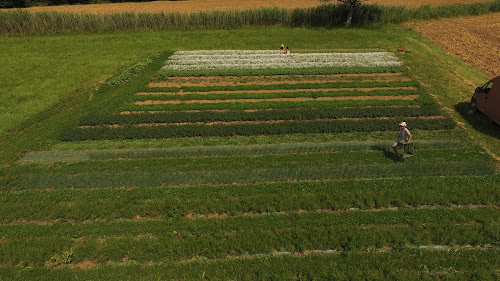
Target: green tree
x,y
352,5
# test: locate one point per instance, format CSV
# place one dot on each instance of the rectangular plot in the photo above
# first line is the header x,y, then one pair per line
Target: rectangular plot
x,y
135,179
202,60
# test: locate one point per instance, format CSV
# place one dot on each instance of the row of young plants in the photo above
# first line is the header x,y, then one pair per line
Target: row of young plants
x,y
248,129
255,161
131,71
451,135
175,240
407,265
242,199
256,94
266,105
287,86
260,115
165,74
219,150
217,177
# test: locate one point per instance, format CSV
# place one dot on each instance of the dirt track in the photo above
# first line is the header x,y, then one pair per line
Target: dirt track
x,y
475,40
189,6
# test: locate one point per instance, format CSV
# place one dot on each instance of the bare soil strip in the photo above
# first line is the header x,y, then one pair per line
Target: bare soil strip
x,y
245,110
181,92
246,122
276,79
408,97
192,6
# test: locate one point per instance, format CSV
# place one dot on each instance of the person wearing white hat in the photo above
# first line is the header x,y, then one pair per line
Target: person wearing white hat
x,y
404,135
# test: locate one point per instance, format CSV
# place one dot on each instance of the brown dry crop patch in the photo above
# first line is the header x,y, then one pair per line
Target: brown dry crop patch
x,y
276,79
475,40
86,265
192,6
407,97
275,91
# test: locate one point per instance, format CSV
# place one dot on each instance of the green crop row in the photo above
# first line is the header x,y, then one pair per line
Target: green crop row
x,y
452,135
278,221
254,161
257,161
176,245
167,240
249,95
324,85
267,105
260,115
221,150
174,178
129,72
286,127
237,199
164,74
408,265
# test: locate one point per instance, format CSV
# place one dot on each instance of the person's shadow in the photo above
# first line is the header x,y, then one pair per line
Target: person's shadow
x,y
389,153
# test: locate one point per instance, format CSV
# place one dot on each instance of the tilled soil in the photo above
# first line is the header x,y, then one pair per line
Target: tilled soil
x,y
190,6
475,40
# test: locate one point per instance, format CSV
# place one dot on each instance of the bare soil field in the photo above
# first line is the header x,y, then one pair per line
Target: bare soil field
x,y
190,6
475,40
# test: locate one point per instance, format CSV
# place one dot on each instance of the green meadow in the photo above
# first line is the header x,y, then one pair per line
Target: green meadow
x,y
88,193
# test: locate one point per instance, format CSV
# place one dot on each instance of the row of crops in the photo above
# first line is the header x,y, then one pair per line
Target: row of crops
x,y
282,172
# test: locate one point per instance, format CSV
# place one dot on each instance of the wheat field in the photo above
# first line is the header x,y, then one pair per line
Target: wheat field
x,y
190,6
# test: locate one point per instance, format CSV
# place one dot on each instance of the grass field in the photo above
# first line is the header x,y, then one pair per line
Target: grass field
x,y
190,6
167,171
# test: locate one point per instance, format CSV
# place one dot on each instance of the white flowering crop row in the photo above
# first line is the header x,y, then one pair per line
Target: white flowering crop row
x,y
245,59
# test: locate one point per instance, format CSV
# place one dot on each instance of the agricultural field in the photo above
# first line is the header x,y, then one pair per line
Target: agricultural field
x,y
475,40
190,6
254,165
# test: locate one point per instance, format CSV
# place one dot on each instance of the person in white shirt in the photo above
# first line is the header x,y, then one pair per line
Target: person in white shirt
x,y
404,135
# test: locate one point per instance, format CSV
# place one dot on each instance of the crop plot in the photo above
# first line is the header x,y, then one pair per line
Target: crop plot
x,y
253,157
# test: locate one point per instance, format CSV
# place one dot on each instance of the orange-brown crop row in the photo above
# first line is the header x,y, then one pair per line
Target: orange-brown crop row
x,y
189,6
